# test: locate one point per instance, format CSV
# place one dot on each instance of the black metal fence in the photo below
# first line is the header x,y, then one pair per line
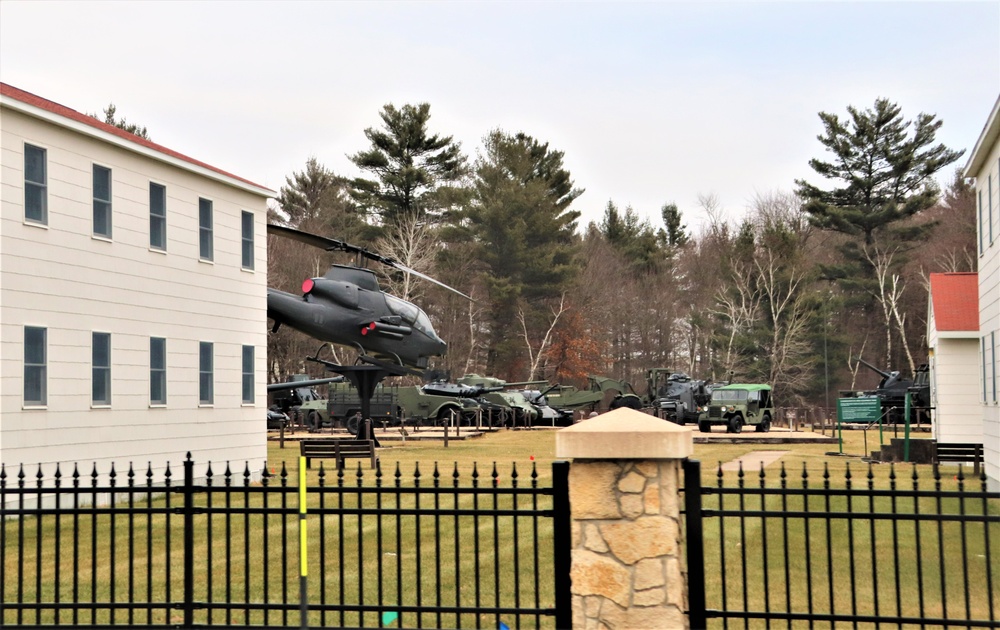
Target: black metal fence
x,y
431,550
796,551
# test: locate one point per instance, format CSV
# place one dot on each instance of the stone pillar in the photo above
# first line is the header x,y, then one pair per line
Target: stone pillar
x,y
627,568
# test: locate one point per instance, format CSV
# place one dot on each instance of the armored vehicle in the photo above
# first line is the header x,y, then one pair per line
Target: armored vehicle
x,y
569,398
522,412
738,405
892,390
430,405
548,415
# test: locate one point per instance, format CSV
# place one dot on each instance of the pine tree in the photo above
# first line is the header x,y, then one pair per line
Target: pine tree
x,y
415,171
524,234
886,166
124,125
887,173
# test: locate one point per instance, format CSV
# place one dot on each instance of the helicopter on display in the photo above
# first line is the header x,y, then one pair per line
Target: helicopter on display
x,y
347,307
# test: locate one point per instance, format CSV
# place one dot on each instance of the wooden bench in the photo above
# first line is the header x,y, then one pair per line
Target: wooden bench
x,y
337,449
962,453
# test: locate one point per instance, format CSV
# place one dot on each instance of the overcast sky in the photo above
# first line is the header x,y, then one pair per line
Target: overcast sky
x,y
651,102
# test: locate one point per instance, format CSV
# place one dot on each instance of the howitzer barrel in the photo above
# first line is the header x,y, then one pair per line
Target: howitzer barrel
x,y
277,387
880,372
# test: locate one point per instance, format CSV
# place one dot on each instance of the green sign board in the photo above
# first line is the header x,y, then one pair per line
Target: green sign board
x,y
860,410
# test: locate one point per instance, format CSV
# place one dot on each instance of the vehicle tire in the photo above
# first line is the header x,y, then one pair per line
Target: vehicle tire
x,y
736,424
352,424
444,417
315,422
765,425
704,427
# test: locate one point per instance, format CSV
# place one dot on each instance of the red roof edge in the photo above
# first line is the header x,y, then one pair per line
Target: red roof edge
x,y
61,110
955,299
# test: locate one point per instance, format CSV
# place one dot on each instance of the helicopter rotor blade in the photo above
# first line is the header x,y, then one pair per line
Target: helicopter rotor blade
x,y
322,242
331,244
405,269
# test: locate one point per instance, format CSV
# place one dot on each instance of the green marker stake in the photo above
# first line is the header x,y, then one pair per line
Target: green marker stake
x,y
906,434
389,616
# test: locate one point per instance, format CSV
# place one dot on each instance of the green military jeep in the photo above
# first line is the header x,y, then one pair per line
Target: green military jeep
x,y
735,406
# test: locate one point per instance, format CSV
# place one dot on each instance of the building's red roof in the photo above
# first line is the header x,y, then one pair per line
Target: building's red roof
x,y
61,110
955,299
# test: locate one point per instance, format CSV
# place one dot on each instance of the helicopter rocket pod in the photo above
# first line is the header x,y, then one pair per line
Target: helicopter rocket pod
x,y
347,307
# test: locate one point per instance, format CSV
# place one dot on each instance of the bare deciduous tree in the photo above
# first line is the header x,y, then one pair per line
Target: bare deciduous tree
x,y
535,357
412,243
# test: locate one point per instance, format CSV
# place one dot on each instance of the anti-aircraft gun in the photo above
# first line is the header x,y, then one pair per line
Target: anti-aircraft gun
x,y
892,390
671,395
678,397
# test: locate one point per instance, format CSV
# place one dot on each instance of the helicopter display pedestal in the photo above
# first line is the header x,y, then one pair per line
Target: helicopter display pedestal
x,y
365,379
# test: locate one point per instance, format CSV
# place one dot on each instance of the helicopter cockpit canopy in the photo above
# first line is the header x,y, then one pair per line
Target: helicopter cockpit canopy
x,y
410,314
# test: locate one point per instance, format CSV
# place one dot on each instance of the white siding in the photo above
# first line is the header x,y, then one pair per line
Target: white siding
x,y
958,415
61,278
986,158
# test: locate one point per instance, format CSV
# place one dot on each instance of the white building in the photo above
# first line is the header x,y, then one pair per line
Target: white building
x,y
984,166
132,300
953,349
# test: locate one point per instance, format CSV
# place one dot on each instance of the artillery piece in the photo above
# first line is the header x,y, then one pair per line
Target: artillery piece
x,y
892,390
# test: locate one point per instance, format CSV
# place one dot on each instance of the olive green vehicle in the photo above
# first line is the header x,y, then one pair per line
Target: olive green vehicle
x,y
343,407
390,406
419,407
522,412
739,405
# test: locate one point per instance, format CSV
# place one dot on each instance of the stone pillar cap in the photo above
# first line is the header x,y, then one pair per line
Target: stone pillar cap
x,y
624,434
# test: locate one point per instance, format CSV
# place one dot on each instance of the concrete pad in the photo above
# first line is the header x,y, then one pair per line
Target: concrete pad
x,y
777,435
752,462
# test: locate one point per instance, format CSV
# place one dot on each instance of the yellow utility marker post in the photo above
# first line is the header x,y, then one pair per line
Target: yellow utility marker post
x,y
303,547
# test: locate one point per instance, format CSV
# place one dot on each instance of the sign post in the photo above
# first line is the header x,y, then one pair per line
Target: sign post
x,y
860,410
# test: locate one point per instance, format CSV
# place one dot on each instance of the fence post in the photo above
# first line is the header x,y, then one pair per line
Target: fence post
x,y
188,541
695,544
624,482
563,553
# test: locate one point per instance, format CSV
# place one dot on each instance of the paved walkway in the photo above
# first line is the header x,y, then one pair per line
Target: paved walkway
x,y
753,461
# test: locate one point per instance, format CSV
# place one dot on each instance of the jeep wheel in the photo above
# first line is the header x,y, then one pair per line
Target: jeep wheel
x,y
736,424
352,424
704,427
765,425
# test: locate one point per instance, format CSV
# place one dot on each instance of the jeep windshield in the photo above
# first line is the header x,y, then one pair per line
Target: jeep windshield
x,y
731,395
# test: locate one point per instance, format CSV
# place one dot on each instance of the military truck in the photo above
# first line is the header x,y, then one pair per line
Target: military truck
x,y
342,407
739,405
